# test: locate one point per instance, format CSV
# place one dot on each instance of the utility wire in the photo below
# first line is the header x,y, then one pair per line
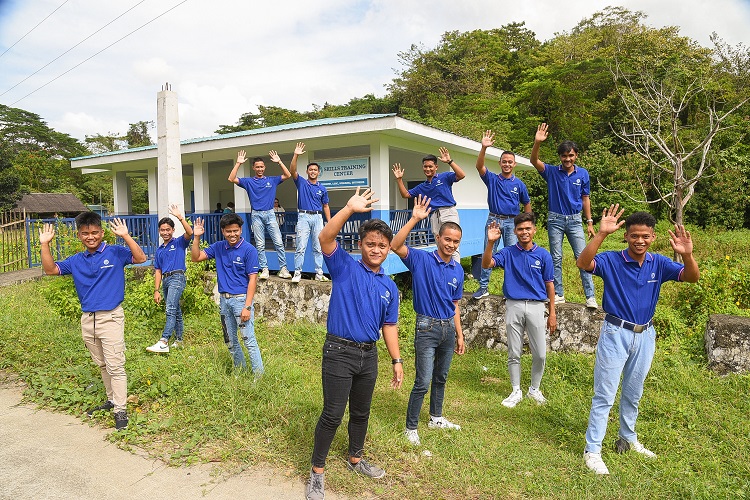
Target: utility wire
x,y
35,27
73,47
96,54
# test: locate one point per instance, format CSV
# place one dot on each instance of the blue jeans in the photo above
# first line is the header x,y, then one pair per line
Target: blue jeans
x,y
434,341
308,225
508,238
567,225
618,352
262,221
231,308
349,374
172,288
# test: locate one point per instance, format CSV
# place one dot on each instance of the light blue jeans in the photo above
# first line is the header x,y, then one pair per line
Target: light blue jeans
x,y
262,221
508,238
231,308
308,225
172,288
618,352
434,341
567,225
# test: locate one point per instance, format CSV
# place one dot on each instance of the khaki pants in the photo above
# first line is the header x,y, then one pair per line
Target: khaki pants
x,y
104,335
441,216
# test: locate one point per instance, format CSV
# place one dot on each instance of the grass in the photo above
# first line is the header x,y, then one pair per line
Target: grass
x,y
192,406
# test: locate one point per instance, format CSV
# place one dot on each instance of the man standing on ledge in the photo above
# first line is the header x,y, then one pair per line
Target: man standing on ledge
x,y
505,192
364,300
568,189
312,199
262,190
627,341
438,187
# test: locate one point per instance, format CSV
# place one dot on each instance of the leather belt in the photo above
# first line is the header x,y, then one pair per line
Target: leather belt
x,y
633,327
365,346
313,212
170,273
231,295
499,216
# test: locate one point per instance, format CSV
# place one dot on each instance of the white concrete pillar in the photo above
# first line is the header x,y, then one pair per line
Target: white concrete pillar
x,y
121,192
153,191
170,189
241,200
380,178
201,188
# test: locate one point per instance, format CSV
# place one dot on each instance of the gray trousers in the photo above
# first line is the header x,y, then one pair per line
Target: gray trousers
x,y
441,216
528,315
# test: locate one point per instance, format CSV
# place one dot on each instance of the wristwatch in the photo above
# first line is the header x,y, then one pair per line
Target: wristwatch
x,y
396,361
248,307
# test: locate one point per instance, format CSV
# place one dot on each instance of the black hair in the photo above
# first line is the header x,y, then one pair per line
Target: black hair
x,y
524,217
257,159
450,225
508,153
218,205
566,146
167,221
88,219
431,158
230,204
640,219
375,225
229,219
311,164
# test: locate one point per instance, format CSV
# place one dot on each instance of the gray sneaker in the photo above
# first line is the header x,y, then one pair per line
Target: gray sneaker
x,y
315,487
284,273
366,469
321,277
263,274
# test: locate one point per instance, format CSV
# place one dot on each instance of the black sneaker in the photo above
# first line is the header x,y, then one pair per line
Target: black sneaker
x,y
107,405
121,420
366,469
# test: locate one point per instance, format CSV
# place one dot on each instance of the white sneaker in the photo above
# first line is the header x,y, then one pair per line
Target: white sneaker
x,y
595,463
591,303
537,396
442,423
321,277
263,275
160,346
297,276
177,344
639,448
284,273
412,436
559,299
515,397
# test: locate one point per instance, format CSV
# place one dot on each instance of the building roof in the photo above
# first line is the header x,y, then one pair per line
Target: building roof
x,y
50,203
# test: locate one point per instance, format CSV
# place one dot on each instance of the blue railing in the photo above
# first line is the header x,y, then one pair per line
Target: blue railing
x,y
421,235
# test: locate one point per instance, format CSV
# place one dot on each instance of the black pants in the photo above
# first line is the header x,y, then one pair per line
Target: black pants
x,y
349,374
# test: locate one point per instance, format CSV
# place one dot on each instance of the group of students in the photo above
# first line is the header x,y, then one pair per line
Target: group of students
x,y
364,301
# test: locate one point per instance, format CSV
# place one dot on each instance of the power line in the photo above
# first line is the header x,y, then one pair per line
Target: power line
x,y
96,54
35,27
73,47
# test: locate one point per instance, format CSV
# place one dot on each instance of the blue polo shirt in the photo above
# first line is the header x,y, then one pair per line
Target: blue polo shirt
x,y
233,265
436,284
260,190
99,276
504,196
565,191
526,272
361,301
631,291
310,196
171,254
438,189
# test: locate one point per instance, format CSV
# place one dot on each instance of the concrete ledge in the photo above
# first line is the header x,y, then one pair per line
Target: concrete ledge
x,y
728,344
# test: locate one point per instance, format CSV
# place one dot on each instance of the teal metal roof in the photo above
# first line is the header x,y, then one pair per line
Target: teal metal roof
x,y
255,131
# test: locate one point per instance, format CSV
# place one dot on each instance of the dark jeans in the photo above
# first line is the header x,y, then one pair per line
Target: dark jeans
x,y
434,341
349,374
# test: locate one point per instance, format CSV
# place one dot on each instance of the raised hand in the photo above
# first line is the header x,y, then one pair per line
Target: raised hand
x,y
610,216
398,172
175,210
444,155
421,207
493,232
198,227
541,133
274,156
488,139
300,149
362,202
46,233
118,227
241,158
680,240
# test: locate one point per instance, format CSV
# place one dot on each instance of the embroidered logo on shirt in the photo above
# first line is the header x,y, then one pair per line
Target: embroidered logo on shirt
x,y
537,264
454,284
106,264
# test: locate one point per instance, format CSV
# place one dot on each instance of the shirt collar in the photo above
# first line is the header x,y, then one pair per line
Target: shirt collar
x,y
98,250
575,168
379,273
166,243
451,263
626,256
227,246
534,247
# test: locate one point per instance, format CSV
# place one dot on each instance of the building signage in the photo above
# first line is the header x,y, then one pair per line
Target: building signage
x,y
342,174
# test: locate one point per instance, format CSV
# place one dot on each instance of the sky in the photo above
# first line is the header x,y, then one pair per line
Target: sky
x,y
92,67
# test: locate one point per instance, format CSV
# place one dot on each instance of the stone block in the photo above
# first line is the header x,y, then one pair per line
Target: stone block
x,y
727,341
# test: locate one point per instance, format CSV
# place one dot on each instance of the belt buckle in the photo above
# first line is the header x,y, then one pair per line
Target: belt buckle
x,y
639,328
